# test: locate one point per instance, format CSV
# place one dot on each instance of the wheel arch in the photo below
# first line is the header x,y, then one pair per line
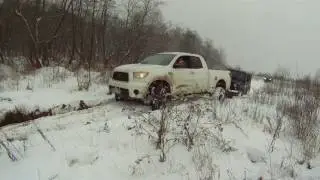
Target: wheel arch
x,y
222,83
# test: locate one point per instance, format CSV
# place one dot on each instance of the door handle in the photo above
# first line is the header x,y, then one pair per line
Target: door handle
x,y
191,72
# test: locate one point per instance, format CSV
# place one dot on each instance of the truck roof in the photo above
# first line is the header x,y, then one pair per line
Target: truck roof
x,y
180,53
209,63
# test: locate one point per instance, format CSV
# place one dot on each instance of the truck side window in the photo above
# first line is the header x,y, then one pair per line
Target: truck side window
x,y
195,63
181,62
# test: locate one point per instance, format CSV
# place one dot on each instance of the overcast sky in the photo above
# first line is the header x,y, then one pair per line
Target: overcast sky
x,y
258,35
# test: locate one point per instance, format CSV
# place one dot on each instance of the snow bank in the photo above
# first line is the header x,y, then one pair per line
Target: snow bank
x,y
49,87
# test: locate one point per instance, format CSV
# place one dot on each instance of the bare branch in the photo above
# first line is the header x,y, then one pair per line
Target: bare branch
x,y
18,13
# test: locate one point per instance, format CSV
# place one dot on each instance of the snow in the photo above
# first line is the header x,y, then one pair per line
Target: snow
x,y
47,88
256,84
255,155
116,140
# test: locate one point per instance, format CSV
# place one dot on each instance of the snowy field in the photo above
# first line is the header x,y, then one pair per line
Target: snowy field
x,y
201,140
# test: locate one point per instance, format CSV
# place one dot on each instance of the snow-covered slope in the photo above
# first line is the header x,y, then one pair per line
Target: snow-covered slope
x,y
118,140
49,87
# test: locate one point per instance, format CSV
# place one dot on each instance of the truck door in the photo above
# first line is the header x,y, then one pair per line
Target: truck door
x,y
182,76
199,74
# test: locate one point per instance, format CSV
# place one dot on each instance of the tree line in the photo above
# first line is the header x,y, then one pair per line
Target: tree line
x,y
91,32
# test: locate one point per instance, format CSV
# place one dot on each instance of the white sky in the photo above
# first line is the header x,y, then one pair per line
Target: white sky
x,y
258,35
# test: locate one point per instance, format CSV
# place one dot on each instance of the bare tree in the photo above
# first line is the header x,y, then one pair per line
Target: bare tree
x,y
33,30
84,31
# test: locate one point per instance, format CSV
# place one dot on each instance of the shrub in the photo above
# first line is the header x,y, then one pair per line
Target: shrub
x,y
20,115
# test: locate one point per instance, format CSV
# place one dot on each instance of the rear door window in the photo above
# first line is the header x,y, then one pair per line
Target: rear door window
x,y
195,63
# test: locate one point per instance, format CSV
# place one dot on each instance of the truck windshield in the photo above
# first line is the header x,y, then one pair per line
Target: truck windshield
x,y
158,59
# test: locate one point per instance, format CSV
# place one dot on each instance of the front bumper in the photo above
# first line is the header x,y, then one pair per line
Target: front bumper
x,y
131,89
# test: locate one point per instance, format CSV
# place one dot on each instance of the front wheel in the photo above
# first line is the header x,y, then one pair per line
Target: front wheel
x,y
219,94
157,96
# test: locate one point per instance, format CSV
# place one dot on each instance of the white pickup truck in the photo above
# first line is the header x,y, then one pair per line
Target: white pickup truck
x,y
170,73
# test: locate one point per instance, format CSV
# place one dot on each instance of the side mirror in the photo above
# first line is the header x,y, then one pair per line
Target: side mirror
x,y
175,66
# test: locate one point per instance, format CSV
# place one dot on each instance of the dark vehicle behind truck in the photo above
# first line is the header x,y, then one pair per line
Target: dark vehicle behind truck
x,y
240,82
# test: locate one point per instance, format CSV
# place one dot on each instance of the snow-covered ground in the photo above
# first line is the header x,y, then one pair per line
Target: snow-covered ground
x,y
49,87
118,140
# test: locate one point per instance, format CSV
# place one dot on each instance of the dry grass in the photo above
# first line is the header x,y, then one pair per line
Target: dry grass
x,y
299,102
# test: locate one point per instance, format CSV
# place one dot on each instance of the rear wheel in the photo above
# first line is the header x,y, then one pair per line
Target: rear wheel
x,y
118,97
219,94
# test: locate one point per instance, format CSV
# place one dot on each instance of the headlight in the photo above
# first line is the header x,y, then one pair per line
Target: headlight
x,y
140,75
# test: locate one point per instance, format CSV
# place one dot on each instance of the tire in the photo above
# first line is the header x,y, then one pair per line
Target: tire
x,y
219,94
155,105
117,97
158,96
